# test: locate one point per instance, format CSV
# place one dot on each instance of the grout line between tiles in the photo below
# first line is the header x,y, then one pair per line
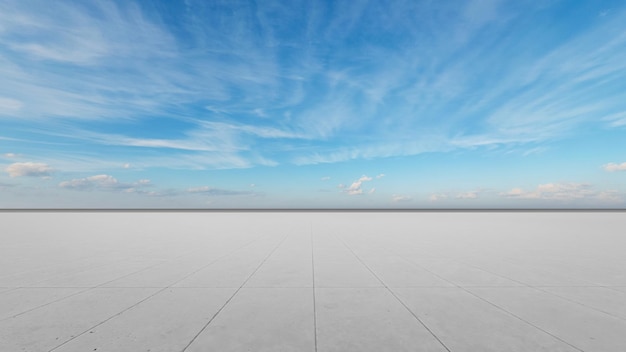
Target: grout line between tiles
x,y
313,280
157,292
233,295
395,296
89,288
491,303
540,289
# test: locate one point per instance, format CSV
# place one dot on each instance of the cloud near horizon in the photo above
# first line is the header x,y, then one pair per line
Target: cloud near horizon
x,y
564,192
212,191
104,183
29,169
355,187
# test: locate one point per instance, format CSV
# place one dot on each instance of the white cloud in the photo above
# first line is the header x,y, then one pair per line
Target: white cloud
x,y
400,198
355,187
325,178
92,182
562,192
380,176
106,183
467,195
9,155
29,169
615,167
126,166
372,190
437,197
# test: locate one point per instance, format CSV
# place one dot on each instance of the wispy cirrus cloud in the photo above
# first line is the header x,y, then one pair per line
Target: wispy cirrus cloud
x,y
247,84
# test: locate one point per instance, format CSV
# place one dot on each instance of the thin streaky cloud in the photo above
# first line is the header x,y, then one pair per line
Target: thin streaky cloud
x,y
450,98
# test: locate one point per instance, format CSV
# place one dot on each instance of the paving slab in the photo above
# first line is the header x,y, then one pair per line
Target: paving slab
x,y
570,255
395,271
289,266
257,319
529,275
52,271
462,275
164,323
232,270
93,277
601,298
24,299
345,272
466,323
583,327
368,319
336,266
46,328
162,275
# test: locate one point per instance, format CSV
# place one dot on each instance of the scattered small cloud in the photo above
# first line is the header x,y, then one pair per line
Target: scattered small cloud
x,y
341,186
611,167
126,166
562,192
355,187
380,176
9,155
401,198
372,190
437,197
467,195
29,169
252,185
325,178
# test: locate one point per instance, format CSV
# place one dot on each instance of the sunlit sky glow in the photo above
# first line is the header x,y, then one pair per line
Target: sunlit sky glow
x,y
312,104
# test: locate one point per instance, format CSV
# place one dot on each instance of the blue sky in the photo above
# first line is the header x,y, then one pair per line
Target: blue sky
x,y
313,104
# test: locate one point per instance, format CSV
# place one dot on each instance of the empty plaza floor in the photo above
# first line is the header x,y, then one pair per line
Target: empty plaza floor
x,y
312,281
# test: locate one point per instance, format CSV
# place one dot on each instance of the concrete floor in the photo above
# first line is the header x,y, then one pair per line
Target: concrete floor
x,y
312,282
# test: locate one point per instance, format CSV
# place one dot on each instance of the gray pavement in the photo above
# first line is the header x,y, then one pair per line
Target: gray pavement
x,y
312,282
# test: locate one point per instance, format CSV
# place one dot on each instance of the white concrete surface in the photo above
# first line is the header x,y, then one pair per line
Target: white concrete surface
x,y
312,281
